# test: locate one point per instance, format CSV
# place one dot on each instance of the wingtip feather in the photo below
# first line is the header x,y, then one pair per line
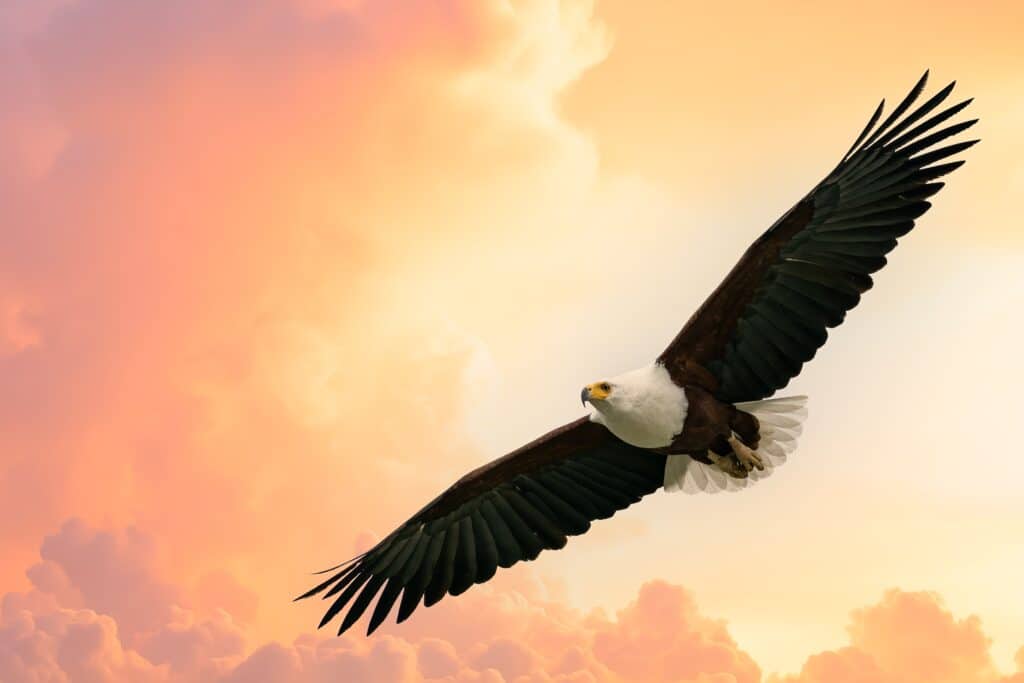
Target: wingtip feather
x,y
867,129
339,566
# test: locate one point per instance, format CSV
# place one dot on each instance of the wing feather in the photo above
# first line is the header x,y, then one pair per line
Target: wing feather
x,y
771,313
505,512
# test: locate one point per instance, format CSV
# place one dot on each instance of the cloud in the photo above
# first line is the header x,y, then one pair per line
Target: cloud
x,y
99,609
663,637
215,219
907,638
892,631
113,572
194,648
845,665
514,629
68,645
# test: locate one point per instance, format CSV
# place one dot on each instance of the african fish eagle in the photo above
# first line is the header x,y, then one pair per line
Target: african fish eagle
x,y
699,417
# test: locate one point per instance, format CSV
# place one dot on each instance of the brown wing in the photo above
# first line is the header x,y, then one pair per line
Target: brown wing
x,y
506,511
771,313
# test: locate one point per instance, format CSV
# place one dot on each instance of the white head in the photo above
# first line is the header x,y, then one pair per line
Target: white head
x,y
642,407
622,393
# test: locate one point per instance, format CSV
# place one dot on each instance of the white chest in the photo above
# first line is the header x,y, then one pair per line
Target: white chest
x,y
645,408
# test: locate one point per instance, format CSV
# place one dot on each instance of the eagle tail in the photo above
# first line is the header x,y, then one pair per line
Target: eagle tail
x,y
781,421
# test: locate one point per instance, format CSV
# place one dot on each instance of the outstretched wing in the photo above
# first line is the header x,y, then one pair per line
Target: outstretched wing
x,y
506,511
772,312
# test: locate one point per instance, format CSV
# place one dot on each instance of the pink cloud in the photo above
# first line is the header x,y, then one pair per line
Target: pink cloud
x,y
272,663
115,574
846,665
508,656
194,648
197,231
907,638
512,630
893,631
68,645
99,606
99,609
663,637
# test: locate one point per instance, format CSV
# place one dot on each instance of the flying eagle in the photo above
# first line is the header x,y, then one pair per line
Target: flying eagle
x,y
698,418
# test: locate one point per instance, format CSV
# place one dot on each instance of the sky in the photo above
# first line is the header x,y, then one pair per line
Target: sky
x,y
275,272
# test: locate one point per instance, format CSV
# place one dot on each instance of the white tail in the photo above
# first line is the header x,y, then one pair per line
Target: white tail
x,y
781,421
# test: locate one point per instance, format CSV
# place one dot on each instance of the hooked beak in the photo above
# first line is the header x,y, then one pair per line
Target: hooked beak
x,y
585,396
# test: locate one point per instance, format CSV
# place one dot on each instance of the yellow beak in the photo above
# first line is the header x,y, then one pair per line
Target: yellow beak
x,y
593,392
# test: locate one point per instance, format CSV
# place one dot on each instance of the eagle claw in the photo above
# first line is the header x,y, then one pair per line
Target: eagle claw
x,y
748,457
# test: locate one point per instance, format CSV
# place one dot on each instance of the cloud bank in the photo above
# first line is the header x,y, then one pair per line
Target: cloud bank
x,y
98,611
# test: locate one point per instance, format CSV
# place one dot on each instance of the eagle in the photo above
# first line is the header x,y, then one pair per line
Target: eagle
x,y
701,417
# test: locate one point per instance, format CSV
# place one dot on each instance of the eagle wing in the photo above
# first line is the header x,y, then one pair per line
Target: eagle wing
x,y
506,511
773,310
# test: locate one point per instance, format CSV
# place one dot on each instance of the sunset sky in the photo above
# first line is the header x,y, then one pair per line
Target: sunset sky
x,y
275,272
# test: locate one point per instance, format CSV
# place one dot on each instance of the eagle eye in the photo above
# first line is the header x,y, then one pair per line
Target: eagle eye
x,y
606,387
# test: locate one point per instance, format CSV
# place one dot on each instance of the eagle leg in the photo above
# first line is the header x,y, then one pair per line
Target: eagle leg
x,y
729,464
748,458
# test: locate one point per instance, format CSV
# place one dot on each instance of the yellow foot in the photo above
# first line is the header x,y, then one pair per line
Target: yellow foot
x,y
747,457
729,464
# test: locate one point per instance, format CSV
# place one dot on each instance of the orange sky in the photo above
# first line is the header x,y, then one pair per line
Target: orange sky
x,y
276,272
